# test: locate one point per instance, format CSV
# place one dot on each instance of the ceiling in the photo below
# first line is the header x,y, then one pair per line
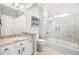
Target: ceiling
x,y
57,8
54,8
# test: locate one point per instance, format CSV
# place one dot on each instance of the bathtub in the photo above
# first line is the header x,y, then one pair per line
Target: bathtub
x,y
65,47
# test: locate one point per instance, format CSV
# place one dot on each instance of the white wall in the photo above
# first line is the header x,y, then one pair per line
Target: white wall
x,y
41,15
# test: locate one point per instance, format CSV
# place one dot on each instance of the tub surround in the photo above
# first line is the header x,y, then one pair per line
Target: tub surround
x,y
65,47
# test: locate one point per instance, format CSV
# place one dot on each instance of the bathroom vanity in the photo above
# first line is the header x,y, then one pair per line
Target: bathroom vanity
x,y
17,45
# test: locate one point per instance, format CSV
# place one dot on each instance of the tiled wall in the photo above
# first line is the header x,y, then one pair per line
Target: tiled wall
x,y
69,25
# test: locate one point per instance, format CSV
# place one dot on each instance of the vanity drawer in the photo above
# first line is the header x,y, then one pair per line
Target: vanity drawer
x,y
7,48
14,52
21,44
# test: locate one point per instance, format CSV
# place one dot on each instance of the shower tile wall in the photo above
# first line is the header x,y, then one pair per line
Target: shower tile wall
x,y
66,28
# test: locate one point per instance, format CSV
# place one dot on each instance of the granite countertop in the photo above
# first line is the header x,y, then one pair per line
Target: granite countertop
x,y
13,38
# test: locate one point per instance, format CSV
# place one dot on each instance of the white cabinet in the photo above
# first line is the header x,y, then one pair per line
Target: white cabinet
x,y
28,47
6,28
24,47
20,46
7,48
13,52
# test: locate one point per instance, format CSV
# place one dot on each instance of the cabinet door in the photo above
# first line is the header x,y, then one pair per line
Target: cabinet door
x,y
28,47
7,48
6,28
24,48
15,52
24,51
20,47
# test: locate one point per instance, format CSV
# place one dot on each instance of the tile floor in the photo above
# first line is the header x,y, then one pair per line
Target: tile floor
x,y
48,51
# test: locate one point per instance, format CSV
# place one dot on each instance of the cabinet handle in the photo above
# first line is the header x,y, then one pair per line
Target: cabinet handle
x,y
59,28
18,51
23,49
5,49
